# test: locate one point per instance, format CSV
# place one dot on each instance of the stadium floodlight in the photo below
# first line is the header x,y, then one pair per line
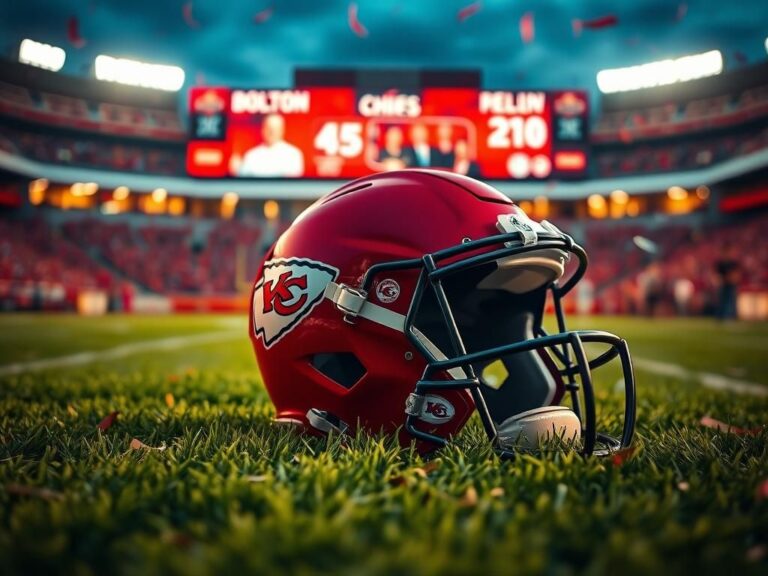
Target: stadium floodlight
x,y
159,195
121,193
677,193
135,73
766,44
619,197
660,73
41,55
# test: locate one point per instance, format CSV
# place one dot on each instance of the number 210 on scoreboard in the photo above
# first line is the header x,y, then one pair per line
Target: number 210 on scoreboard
x,y
341,133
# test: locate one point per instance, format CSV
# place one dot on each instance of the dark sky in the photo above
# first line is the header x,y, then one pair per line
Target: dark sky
x,y
228,47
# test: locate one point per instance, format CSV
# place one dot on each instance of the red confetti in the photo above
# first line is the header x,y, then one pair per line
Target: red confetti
x,y
263,15
189,18
354,22
73,33
527,30
682,10
709,422
468,11
594,23
762,491
620,457
108,421
741,58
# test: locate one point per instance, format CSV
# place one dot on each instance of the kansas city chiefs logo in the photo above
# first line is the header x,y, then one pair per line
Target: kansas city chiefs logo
x,y
436,410
287,292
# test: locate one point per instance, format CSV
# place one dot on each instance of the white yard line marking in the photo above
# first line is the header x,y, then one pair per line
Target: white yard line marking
x,y
121,351
706,379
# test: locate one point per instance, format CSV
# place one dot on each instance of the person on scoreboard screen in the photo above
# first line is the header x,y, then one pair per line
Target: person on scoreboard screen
x,y
274,157
393,155
443,155
421,153
463,162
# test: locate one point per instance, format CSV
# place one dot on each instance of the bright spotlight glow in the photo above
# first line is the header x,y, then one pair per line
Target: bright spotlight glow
x,y
230,198
41,55
135,73
121,193
660,73
677,193
159,195
619,197
596,202
271,210
766,44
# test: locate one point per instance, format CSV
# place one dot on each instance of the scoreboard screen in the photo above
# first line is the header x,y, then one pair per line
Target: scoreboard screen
x,y
342,133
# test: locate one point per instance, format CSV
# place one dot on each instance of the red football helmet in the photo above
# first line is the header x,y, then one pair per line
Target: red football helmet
x,y
408,299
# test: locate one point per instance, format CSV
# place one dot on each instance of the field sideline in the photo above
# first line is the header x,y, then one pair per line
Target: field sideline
x,y
228,492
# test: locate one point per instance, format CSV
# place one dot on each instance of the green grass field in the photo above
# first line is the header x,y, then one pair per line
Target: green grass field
x,y
231,493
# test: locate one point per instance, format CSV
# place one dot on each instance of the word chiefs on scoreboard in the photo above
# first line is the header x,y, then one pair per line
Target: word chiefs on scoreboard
x,y
340,133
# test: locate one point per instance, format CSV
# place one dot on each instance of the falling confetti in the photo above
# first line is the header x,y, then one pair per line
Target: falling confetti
x,y
108,421
594,23
709,422
645,244
620,457
682,10
137,444
354,22
468,11
263,15
73,33
189,18
527,30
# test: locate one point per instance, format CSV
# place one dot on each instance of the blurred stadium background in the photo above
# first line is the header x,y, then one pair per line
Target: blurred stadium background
x,y
136,436
665,185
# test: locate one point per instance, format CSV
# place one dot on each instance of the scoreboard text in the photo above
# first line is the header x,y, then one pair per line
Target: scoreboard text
x,y
334,132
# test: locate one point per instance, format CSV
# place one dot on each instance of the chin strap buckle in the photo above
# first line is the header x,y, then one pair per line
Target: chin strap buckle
x,y
348,300
508,223
326,422
414,404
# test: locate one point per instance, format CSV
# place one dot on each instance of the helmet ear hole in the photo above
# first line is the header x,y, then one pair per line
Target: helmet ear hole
x,y
342,367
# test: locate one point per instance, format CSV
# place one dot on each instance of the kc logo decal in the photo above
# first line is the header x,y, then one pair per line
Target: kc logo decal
x,y
437,410
287,292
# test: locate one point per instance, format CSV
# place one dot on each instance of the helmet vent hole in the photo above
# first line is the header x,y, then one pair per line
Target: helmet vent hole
x,y
342,367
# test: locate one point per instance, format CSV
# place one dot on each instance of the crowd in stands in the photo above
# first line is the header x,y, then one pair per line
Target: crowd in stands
x,y
41,270
682,117
119,155
686,154
170,259
78,113
687,273
45,266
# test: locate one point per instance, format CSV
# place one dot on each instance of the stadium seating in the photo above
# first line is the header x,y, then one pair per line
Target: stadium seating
x,y
41,270
685,255
173,259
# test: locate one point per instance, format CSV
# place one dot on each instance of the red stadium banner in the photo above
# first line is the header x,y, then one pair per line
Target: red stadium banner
x,y
344,132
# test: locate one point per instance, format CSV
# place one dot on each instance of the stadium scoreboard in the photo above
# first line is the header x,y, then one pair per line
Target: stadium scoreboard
x,y
345,132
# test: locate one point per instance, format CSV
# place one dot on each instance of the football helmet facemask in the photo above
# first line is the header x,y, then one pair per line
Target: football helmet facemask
x,y
409,299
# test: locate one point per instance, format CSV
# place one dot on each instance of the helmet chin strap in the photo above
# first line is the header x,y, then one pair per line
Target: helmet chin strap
x,y
529,430
354,303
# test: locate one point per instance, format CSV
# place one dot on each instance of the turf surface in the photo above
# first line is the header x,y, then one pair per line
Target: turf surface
x,y
230,492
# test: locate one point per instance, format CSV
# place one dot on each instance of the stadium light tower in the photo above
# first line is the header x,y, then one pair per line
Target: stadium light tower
x,y
135,73
660,73
41,55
